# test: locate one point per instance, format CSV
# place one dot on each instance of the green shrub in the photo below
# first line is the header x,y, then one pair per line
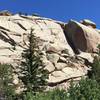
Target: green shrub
x,y
87,89
57,95
7,89
50,95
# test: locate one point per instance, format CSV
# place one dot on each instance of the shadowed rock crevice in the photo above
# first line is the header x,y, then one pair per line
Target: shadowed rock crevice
x,y
5,37
22,26
70,42
4,28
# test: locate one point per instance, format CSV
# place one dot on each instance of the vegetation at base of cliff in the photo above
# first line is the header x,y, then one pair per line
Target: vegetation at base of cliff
x,y
7,88
50,95
87,89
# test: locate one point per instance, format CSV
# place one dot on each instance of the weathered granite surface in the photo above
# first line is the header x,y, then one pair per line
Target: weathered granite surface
x,y
58,44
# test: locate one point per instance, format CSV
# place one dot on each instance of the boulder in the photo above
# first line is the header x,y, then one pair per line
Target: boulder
x,y
86,56
60,65
5,13
88,23
81,37
49,66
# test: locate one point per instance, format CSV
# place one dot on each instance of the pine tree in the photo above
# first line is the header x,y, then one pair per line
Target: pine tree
x,y
34,76
96,67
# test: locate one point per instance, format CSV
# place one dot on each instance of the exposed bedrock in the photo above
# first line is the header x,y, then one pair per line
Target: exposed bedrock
x,y
65,48
82,37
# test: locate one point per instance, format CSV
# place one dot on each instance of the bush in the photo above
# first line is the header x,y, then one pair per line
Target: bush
x,y
7,89
50,95
87,89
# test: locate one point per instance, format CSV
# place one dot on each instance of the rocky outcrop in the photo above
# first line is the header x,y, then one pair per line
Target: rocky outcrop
x,y
57,44
88,23
82,38
5,13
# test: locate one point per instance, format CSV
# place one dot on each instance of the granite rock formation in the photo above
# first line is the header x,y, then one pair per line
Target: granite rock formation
x,y
66,47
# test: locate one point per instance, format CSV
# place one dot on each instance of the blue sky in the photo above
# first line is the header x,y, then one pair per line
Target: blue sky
x,y
62,10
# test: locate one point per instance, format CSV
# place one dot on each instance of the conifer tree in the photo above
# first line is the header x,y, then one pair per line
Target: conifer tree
x,y
96,67
34,76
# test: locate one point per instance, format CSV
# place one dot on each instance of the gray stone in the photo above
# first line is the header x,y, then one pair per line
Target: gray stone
x,y
62,59
49,66
60,65
86,56
53,57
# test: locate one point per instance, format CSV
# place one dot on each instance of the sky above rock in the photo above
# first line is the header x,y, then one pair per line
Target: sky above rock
x,y
61,10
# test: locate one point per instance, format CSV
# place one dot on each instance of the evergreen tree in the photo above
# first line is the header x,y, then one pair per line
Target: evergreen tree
x,y
33,76
95,71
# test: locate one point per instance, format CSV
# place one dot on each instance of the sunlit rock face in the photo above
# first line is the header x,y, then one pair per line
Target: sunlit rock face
x,y
58,42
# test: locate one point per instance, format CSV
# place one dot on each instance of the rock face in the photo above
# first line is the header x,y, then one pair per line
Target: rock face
x,y
82,38
59,56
